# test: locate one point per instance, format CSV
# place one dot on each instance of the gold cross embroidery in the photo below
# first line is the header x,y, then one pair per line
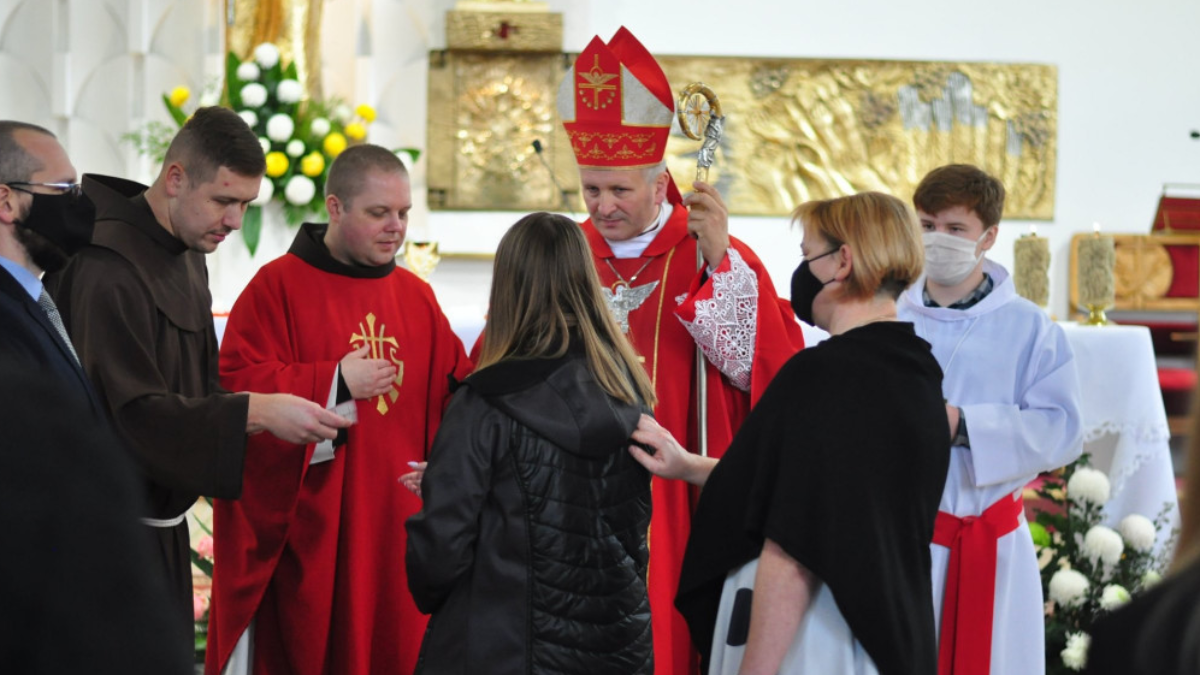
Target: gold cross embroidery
x,y
378,343
597,81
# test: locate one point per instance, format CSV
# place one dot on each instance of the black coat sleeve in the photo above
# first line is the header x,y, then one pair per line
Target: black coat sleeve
x,y
443,535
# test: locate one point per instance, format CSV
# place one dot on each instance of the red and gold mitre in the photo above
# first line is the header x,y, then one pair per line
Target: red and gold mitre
x,y
616,105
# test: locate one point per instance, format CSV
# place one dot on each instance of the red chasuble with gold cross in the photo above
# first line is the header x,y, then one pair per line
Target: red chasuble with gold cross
x,y
744,328
314,552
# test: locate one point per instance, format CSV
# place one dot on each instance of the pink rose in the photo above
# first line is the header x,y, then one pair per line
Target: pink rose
x,y
204,546
199,606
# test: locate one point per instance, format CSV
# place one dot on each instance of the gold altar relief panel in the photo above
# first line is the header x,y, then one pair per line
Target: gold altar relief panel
x,y
801,129
795,129
485,112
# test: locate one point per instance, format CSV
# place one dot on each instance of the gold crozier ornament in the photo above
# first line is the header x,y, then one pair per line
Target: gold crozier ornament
x,y
381,347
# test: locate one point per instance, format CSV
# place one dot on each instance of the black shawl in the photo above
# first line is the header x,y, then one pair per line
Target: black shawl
x,y
842,463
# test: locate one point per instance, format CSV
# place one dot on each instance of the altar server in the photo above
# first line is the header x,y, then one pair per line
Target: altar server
x,y
1013,404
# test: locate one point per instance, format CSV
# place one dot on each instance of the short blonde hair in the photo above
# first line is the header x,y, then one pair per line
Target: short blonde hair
x,y
881,231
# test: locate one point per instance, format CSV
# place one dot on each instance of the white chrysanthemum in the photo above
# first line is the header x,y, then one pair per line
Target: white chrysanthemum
x,y
289,91
1088,485
266,190
249,117
280,127
1075,655
267,55
265,144
300,190
1113,596
295,147
254,95
342,113
1068,587
319,127
248,71
1150,578
1104,544
1138,531
209,97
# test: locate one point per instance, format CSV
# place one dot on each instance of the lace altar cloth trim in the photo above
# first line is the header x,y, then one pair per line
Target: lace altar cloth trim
x,y
1148,439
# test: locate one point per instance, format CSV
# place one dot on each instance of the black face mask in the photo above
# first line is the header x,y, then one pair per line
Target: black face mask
x,y
805,287
65,220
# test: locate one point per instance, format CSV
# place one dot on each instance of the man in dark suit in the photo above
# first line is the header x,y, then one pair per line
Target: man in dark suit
x,y
76,581
44,219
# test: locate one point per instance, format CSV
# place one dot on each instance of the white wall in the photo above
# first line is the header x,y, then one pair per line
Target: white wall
x,y
1128,90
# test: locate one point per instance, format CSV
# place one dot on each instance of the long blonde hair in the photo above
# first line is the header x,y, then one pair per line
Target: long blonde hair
x,y
544,286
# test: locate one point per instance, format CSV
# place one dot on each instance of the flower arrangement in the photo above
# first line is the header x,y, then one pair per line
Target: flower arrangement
x,y
1089,569
300,137
202,560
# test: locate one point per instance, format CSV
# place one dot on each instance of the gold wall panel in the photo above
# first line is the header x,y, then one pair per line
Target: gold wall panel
x,y
485,112
504,31
795,129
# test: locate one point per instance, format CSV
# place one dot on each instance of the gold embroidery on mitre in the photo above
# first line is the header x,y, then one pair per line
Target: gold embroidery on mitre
x,y
381,346
624,145
597,83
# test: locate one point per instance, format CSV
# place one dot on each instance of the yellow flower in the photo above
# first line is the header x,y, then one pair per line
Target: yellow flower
x,y
334,144
179,96
313,164
277,164
356,131
366,112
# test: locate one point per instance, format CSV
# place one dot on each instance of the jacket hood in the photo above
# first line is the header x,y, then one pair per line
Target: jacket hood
x,y
561,401
1003,292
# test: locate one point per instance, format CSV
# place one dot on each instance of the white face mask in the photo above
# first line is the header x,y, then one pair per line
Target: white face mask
x,y
950,259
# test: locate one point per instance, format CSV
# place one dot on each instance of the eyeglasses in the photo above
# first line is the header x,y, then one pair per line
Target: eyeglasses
x,y
831,251
74,190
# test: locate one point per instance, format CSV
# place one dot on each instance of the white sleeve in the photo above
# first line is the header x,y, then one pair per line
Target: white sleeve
x,y
1042,430
725,325
324,450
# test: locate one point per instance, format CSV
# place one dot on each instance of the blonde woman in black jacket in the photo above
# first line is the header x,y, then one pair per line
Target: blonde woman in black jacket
x,y
530,551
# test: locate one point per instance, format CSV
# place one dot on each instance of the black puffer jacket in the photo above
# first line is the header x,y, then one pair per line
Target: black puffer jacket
x,y
530,551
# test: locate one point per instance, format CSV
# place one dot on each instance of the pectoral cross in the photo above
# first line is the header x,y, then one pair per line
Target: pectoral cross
x,y
623,299
378,343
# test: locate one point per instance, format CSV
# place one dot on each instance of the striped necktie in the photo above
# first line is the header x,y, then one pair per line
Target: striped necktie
x,y
48,306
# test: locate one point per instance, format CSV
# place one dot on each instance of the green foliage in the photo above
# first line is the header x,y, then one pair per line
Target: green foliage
x,y
318,135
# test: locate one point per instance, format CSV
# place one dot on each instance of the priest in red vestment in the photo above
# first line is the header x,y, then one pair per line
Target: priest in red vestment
x,y
309,575
676,281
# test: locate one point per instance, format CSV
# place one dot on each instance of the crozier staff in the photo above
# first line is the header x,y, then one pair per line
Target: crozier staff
x,y
617,107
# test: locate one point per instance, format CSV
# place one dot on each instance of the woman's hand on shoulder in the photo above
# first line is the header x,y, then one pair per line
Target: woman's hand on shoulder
x,y
669,458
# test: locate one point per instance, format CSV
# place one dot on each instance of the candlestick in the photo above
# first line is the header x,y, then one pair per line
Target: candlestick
x,y
1096,288
1031,268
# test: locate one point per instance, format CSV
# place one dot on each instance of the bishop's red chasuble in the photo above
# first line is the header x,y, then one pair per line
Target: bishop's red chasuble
x,y
314,553
668,307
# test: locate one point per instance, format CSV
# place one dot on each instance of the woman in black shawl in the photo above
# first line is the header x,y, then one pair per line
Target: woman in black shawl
x,y
809,549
